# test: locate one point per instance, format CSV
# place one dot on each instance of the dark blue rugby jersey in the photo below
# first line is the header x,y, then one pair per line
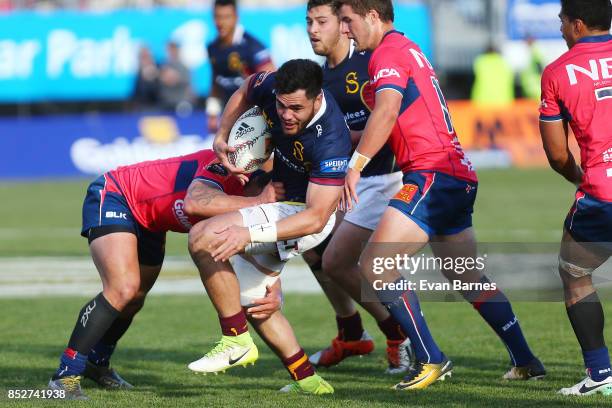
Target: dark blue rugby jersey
x,y
346,82
318,154
230,65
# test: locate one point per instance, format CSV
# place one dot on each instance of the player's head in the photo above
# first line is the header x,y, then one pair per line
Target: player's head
x,y
257,181
323,26
298,94
365,21
581,18
226,18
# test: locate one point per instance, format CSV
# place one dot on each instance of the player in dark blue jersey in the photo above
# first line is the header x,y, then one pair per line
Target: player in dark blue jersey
x,y
345,75
311,148
234,55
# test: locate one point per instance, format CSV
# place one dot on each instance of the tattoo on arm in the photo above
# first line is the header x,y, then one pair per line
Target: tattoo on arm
x,y
203,194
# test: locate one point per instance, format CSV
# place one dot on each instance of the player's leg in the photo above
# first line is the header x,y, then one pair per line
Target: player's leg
x,y
278,335
151,249
577,261
115,257
492,305
340,263
395,234
113,247
236,346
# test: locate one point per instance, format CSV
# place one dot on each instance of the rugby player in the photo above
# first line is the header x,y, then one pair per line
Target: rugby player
x,y
126,214
345,73
577,89
311,148
234,55
436,202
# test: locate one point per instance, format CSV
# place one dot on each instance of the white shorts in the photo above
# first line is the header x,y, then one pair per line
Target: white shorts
x,y
262,263
374,194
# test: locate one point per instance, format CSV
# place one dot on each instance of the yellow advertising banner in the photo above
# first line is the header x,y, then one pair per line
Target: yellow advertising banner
x,y
514,129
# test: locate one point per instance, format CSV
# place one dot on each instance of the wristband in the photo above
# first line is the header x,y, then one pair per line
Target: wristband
x,y
358,161
213,106
263,232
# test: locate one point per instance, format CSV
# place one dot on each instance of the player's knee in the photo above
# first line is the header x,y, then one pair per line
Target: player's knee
x,y
121,294
199,238
332,263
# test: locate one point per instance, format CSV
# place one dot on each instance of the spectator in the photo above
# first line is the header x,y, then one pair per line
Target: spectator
x,y
146,89
494,80
175,83
531,76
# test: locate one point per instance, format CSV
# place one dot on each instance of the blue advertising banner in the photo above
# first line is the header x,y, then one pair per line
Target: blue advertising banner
x,y
69,55
68,146
533,18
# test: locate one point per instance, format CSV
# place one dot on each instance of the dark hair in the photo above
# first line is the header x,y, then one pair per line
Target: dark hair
x,y
384,8
596,14
260,179
299,74
333,4
225,3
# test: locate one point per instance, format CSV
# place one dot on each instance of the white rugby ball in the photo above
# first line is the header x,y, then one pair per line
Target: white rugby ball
x,y
251,138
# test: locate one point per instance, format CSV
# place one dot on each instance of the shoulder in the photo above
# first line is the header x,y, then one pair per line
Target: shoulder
x,y
251,40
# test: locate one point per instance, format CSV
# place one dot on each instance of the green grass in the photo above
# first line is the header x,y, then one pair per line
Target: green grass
x,y
173,330
513,205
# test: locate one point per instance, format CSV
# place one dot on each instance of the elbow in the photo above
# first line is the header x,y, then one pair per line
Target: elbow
x,y
318,224
557,161
189,207
193,209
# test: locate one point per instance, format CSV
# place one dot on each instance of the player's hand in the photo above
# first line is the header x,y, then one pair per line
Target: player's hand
x,y
350,190
279,190
222,150
229,241
269,304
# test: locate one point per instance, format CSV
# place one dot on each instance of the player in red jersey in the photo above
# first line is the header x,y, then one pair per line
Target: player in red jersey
x,y
126,214
436,202
577,89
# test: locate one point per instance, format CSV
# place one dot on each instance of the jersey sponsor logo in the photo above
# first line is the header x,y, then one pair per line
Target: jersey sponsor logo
x,y
355,116
421,59
336,165
385,73
115,214
604,93
407,193
179,213
235,63
352,84
298,150
593,71
319,129
217,168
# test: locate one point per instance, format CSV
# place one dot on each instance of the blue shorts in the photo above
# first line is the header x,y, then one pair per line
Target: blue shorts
x,y
106,212
590,219
440,204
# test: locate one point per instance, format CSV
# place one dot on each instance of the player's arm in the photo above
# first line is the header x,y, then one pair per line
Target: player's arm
x,y
236,106
203,200
554,138
380,123
321,202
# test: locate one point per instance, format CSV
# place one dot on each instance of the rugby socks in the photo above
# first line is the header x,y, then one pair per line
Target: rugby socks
x,y
405,308
101,353
587,319
350,328
94,320
234,325
496,310
391,329
298,366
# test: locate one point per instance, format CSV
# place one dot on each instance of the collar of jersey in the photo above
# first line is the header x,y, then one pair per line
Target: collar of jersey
x,y
319,113
394,31
595,38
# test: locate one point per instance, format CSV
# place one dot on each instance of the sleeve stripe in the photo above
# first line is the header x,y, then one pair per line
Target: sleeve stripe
x,y
551,118
396,88
327,181
211,182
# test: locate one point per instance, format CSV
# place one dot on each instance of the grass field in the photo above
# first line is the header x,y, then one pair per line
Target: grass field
x,y
43,219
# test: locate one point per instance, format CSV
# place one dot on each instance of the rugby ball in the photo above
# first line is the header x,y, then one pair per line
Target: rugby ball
x,y
251,138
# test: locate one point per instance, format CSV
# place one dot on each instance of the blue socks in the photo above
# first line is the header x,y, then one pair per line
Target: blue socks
x,y
71,363
597,363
